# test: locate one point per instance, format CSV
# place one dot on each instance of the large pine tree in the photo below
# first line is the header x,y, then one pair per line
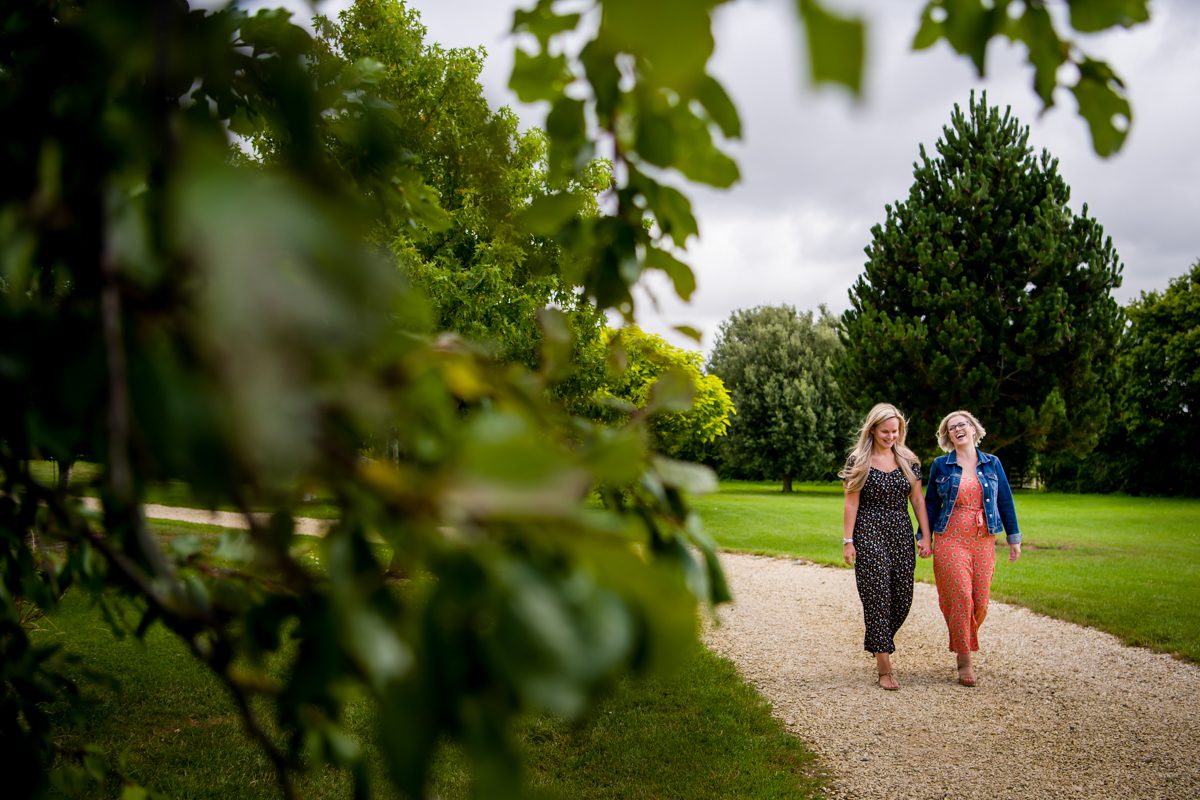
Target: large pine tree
x,y
985,291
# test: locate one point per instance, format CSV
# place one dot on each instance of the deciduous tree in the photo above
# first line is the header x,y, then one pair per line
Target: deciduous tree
x,y
1160,388
485,274
704,407
792,422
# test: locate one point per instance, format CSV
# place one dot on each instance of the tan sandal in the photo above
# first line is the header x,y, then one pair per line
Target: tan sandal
x,y
879,682
964,681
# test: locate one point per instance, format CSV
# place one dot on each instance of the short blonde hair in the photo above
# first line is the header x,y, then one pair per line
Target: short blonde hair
x,y
943,431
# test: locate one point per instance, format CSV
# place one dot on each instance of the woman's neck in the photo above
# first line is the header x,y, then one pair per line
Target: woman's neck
x,y
965,453
875,451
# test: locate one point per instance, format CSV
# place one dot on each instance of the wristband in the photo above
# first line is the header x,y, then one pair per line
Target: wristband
x,y
847,541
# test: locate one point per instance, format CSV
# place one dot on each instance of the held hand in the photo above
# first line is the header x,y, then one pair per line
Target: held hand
x,y
848,553
1014,551
924,547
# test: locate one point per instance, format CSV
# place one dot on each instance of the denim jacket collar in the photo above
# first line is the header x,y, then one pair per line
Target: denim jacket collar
x,y
952,456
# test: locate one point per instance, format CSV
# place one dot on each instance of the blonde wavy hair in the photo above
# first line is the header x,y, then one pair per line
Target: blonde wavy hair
x,y
858,463
943,431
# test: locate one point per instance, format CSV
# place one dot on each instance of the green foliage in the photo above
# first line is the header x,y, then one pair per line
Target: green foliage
x,y
836,45
1150,441
186,315
969,25
488,269
1160,389
985,291
792,422
654,108
688,409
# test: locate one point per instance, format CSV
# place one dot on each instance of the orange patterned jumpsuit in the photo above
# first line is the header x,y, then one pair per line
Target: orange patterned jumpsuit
x,y
964,559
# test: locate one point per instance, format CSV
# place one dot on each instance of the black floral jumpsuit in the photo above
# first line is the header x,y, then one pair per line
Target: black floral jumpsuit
x,y
885,561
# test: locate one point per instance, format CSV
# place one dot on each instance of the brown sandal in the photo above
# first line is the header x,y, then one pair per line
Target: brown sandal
x,y
883,675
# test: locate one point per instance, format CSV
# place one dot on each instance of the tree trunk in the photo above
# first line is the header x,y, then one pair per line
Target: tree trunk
x,y
64,474
787,485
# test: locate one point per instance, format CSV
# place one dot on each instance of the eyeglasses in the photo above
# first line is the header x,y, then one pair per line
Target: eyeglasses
x,y
957,426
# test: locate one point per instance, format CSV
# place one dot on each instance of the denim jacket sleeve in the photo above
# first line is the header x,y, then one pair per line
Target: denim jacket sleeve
x,y
1004,503
933,500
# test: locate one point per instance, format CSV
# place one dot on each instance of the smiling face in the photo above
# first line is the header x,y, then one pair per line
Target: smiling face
x,y
886,433
960,431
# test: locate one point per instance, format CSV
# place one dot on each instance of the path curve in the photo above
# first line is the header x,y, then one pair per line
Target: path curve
x,y
305,526
1061,711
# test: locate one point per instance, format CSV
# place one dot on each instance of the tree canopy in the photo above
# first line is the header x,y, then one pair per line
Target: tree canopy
x,y
792,422
1159,390
646,365
484,273
983,290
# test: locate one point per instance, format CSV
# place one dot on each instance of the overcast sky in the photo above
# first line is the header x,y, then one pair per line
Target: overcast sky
x,y
818,167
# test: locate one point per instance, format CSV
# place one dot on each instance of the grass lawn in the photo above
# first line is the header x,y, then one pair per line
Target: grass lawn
x,y
697,732
1126,565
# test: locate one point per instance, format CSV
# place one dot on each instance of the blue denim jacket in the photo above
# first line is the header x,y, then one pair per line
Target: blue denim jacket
x,y
942,491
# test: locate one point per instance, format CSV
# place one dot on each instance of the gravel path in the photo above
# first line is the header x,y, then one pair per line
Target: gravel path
x,y
1061,711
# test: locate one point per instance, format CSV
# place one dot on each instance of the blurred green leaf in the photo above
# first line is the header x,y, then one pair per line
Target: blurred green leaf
x,y
538,76
383,656
673,391
1091,16
271,30
718,586
600,66
670,207
365,72
655,138
559,637
684,475
616,455
96,764
681,275
1101,103
836,46
131,792
720,107
509,468
197,595
548,214
542,22
929,30
567,128
674,36
557,342
186,546
695,154
1046,52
